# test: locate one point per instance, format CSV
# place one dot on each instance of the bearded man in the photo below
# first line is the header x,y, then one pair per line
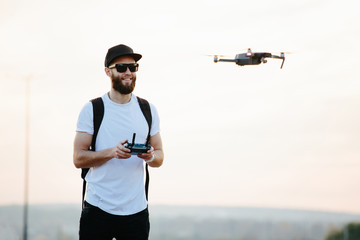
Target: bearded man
x,y
115,205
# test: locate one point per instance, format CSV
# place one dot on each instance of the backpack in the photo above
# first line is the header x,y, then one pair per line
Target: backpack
x,y
98,114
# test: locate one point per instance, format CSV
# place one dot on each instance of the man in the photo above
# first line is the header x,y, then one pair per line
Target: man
x,y
116,205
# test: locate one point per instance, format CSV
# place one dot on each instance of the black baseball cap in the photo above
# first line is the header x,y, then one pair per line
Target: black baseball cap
x,y
119,51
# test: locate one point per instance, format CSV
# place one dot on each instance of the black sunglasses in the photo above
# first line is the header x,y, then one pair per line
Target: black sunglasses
x,y
122,67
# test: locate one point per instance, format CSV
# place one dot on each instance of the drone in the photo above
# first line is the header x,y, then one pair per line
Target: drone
x,y
250,58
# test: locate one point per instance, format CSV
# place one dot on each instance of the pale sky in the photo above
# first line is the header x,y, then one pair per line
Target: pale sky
x,y
233,136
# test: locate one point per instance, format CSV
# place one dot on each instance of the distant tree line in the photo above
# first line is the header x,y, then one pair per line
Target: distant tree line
x,y
350,231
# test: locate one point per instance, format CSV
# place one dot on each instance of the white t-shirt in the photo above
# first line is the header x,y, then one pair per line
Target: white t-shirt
x,y
117,186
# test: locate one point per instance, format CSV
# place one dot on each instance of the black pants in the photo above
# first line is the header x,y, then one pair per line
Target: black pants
x,y
96,224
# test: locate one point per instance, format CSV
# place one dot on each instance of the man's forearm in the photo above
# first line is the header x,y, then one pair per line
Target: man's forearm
x,y
158,159
87,158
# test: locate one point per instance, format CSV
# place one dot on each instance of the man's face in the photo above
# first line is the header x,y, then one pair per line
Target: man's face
x,y
123,82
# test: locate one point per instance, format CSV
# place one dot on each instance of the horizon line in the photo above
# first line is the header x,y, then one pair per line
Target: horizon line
x,y
198,206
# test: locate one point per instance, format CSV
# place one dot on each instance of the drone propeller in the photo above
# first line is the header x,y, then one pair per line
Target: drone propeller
x,y
282,52
215,55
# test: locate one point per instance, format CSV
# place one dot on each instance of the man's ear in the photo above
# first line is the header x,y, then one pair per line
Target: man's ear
x,y
108,72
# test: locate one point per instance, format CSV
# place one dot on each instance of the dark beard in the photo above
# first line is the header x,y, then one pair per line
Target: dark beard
x,y
121,88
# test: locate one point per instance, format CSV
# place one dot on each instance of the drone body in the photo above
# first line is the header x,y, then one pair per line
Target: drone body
x,y
250,58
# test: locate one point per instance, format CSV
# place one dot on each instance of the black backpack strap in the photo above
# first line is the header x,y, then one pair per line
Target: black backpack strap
x,y
145,108
98,114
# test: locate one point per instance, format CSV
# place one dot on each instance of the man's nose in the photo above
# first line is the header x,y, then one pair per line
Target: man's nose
x,y
128,71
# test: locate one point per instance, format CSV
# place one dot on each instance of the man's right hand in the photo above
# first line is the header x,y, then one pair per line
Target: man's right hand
x,y
121,151
84,158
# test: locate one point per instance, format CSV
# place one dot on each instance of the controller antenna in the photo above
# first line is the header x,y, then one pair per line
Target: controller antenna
x,y
133,140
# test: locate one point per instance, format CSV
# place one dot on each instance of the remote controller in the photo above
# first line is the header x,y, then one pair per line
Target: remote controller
x,y
137,148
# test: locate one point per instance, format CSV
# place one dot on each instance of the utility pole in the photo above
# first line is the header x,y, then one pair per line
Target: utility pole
x,y
27,151
346,232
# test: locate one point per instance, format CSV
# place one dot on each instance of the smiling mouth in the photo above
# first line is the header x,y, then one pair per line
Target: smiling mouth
x,y
126,80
